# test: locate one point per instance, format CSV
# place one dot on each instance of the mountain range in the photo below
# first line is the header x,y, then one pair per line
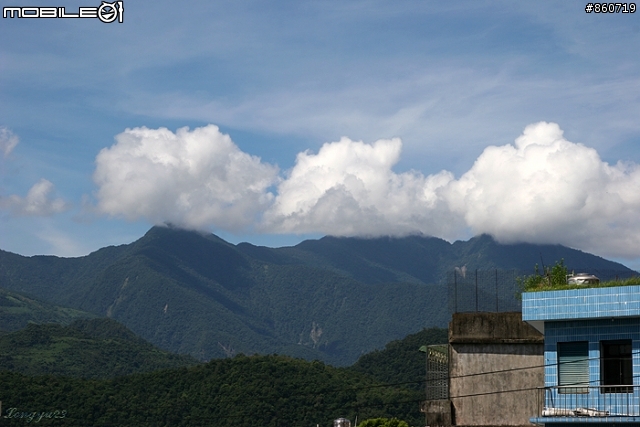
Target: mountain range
x,y
331,299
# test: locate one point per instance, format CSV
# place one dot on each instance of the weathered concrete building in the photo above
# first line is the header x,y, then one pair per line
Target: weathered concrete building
x,y
495,369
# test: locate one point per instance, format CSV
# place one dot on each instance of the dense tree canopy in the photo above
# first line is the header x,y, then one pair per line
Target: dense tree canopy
x,y
269,391
383,422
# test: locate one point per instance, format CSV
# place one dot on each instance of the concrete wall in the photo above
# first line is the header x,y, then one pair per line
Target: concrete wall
x,y
438,413
496,366
492,328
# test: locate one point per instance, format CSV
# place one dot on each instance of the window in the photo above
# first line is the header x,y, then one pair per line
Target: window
x,y
616,367
573,367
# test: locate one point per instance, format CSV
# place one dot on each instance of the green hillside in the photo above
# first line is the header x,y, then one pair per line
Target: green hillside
x,y
89,348
401,362
332,299
243,391
269,391
17,311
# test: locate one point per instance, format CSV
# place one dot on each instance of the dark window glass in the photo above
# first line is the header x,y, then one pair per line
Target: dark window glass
x,y
616,366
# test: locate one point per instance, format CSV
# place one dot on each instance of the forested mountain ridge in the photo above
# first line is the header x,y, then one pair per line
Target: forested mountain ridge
x,y
18,310
87,348
332,299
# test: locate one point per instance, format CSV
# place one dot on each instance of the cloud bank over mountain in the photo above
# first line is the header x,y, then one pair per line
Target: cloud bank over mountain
x,y
541,189
349,188
545,189
195,179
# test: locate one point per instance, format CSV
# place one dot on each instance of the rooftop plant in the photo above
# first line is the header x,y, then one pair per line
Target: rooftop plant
x,y
555,279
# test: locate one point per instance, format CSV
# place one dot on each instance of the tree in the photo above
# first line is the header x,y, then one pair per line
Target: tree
x,y
551,277
383,422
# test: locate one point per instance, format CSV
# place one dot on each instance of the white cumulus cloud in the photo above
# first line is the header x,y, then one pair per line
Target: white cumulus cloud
x,y
38,201
545,189
192,178
349,188
8,141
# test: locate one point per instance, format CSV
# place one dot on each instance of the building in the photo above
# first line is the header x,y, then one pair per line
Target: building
x,y
489,374
591,355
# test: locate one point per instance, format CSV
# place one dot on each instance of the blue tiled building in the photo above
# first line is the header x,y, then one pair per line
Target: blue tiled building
x,y
591,354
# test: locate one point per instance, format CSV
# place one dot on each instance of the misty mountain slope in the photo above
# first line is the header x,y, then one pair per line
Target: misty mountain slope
x,y
427,260
483,252
385,259
331,299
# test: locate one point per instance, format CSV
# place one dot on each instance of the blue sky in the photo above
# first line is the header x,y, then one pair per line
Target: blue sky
x,y
518,119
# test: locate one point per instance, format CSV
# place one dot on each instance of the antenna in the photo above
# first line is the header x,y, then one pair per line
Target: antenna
x,y
547,274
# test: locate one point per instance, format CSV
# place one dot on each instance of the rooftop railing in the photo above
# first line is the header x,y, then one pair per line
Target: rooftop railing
x,y
608,401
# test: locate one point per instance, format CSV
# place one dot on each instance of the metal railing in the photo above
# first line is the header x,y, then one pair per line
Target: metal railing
x,y
590,401
478,290
437,372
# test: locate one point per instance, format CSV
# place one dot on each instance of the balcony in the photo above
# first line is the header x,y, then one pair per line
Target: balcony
x,y
611,403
